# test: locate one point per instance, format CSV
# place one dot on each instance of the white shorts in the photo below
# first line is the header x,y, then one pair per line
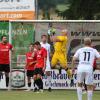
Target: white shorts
x,y
88,77
48,67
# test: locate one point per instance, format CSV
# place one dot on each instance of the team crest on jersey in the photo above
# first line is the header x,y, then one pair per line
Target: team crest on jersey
x,y
40,52
7,47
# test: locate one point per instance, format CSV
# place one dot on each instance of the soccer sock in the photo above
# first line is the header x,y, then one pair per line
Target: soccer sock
x,y
79,93
49,81
89,95
29,84
37,83
40,83
7,81
85,86
34,83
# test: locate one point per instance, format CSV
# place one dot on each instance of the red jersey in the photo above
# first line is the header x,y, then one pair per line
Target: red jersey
x,y
4,53
41,55
30,59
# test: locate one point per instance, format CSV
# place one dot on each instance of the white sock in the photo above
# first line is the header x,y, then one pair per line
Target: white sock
x,y
49,81
89,95
79,93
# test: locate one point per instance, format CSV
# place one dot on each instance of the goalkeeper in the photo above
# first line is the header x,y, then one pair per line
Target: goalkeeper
x,y
60,47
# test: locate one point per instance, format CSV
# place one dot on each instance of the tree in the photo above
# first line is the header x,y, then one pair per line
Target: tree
x,y
83,9
45,6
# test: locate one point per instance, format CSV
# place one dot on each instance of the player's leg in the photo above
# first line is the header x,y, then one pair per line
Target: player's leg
x,y
54,61
1,74
80,79
6,70
48,74
85,88
63,61
40,82
28,73
39,79
35,82
89,82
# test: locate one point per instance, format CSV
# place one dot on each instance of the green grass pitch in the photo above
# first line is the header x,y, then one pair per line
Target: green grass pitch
x,y
54,95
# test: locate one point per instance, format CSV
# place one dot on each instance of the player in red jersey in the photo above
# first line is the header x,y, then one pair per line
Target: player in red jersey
x,y
30,63
5,47
40,65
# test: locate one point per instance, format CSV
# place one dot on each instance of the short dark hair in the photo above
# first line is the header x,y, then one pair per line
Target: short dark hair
x,y
31,44
37,43
43,35
3,36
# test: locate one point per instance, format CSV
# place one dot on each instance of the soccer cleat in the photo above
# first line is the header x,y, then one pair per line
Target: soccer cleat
x,y
49,89
35,89
41,90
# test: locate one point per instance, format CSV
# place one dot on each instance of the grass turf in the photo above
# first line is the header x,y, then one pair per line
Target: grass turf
x,y
54,95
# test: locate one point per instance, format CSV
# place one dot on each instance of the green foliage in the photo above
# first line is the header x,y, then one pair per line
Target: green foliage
x,y
78,9
83,9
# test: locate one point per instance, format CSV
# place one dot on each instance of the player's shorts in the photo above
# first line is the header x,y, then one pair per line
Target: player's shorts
x,y
5,68
59,57
38,71
48,67
87,76
30,73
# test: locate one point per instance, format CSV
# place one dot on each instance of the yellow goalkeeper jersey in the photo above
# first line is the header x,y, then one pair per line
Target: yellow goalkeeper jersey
x,y
62,45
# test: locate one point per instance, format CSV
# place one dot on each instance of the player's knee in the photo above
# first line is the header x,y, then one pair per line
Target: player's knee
x,y
39,76
34,77
79,84
89,87
48,73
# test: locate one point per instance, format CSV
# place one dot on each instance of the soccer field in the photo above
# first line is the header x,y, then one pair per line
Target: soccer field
x,y
54,95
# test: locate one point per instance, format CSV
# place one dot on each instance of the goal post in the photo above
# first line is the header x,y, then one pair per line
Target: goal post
x,y
22,32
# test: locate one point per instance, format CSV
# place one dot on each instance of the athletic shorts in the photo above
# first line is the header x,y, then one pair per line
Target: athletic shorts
x,y
5,68
30,73
87,76
59,57
38,71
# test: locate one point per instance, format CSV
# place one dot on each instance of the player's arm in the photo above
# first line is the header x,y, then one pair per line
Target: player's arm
x,y
74,59
34,62
57,38
33,54
11,48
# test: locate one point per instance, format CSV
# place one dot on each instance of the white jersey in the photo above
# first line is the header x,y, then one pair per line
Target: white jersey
x,y
86,56
47,47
